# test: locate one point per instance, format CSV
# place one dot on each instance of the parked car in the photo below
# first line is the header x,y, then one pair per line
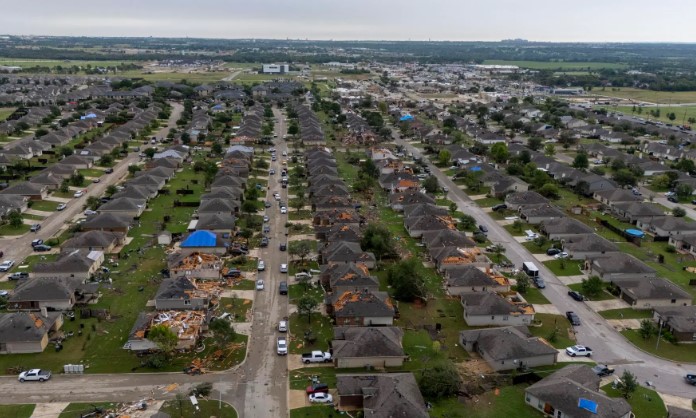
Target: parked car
x,y
267,204
573,318
539,282
283,288
317,388
266,218
35,228
42,247
90,212
283,268
483,228
6,265
96,180
303,275
283,326
500,206
579,350
18,275
261,266
35,375
560,255
109,170
233,272
36,242
282,346
283,210
79,193
316,357
62,206
602,370
320,398
264,242
672,199
283,246
553,251
576,295
690,379
266,229
259,284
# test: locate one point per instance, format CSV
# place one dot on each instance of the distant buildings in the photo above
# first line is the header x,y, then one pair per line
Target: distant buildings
x,y
275,68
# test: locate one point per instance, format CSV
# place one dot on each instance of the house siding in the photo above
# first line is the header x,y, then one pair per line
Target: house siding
x,y
536,361
499,320
375,362
25,346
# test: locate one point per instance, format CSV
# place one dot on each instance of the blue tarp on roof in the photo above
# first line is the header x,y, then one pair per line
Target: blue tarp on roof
x,y
588,405
200,239
475,168
405,118
88,116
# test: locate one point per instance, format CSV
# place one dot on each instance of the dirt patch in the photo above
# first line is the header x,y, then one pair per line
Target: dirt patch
x,y
474,366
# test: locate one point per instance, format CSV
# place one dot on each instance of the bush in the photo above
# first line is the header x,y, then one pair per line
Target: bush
x,y
156,361
671,249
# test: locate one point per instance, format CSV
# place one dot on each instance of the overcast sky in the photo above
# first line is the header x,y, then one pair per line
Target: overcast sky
x,y
484,20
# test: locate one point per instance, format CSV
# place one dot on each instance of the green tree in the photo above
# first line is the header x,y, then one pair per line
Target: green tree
x,y
683,190
517,225
300,249
216,148
164,337
306,305
249,207
625,177
628,384
369,169
223,333
467,222
522,283
65,151
499,152
77,180
64,186
592,287
431,185
647,329
150,152
444,157
92,202
581,161
15,219
406,283
549,190
132,169
685,165
378,239
550,150
498,250
106,160
534,143
678,212
440,381
111,190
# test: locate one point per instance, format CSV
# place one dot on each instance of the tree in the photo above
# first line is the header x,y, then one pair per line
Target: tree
x,y
499,152
498,250
378,239
15,219
593,286
223,333
683,190
625,177
647,329
111,190
405,281
77,179
549,190
441,381
216,148
106,160
467,222
300,249
517,225
249,207
444,157
298,203
64,186
132,169
150,152
628,384
306,305
685,165
534,143
369,169
164,337
65,151
581,161
246,233
549,150
431,185
452,208
522,282
92,202
678,212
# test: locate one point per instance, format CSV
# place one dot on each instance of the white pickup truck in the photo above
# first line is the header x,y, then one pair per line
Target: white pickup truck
x,y
282,346
316,357
35,374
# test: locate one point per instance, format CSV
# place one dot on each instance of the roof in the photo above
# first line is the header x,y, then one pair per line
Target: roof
x,y
44,289
362,304
565,226
679,318
620,263
507,343
76,261
563,391
675,412
591,243
490,303
469,275
201,238
25,326
525,198
385,395
92,239
652,288
367,342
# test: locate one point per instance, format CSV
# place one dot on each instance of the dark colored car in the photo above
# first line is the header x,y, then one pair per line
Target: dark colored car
x,y
283,246
539,282
42,247
483,228
573,318
553,251
35,228
576,295
283,288
109,170
673,199
602,370
501,206
690,379
36,242
233,273
318,387
264,242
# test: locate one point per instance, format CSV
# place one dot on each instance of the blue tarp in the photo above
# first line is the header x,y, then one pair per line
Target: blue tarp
x,y
405,118
587,405
88,116
635,232
475,168
200,239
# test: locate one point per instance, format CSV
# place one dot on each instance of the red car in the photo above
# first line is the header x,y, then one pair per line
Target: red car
x,y
318,388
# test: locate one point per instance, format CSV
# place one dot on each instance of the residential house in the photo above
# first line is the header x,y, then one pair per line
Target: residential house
x,y
686,243
378,347
361,308
679,320
563,393
520,199
451,256
203,241
10,203
647,293
610,267
108,222
80,264
346,252
508,184
195,265
31,191
582,247
562,229
469,278
637,212
666,226
45,292
344,277
382,395
27,332
77,162
492,309
398,201
180,293
446,238
216,222
103,241
508,348
611,197
536,214
417,226
123,206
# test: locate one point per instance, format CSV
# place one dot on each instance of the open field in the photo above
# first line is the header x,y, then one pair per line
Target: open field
x,y
196,77
547,65
675,352
24,63
652,96
5,112
683,113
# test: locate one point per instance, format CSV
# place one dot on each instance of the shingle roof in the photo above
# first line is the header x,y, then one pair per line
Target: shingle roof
x,y
367,342
385,395
507,343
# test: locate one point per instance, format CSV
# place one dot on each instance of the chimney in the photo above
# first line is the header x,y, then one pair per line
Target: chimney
x,y
44,312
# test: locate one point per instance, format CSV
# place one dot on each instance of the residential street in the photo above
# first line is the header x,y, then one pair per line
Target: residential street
x,y
609,345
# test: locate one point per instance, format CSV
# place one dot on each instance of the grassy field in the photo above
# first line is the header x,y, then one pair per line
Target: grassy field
x,y
626,313
675,352
549,323
564,267
77,409
197,77
208,408
44,205
5,112
645,403
508,401
652,96
320,325
683,113
534,295
8,229
564,66
17,411
314,411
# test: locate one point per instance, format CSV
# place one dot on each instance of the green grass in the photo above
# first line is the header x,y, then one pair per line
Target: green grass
x,y
5,112
301,378
200,78
683,113
77,409
29,216
651,96
645,403
558,65
8,229
320,325
44,205
508,403
626,313
488,202
17,411
237,307
604,295
208,408
244,285
675,352
549,323
534,295
534,248
314,411
296,291
564,267
91,172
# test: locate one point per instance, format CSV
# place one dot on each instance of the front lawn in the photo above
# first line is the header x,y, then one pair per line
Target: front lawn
x,y
320,326
207,408
44,205
554,328
565,267
603,295
645,403
674,352
488,202
17,411
236,307
626,313
296,291
508,401
314,411
78,409
91,172
301,378
535,296
8,229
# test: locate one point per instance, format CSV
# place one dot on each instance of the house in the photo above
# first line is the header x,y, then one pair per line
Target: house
x,y
516,200
27,332
561,395
536,214
77,162
221,223
381,395
508,348
611,197
109,222
45,292
637,212
9,203
361,308
418,225
508,184
564,228
195,264
343,277
446,238
398,201
666,226
588,246
203,241
679,320
449,257
346,252
32,191
469,278
80,264
491,309
685,243
377,347
646,293
187,325
610,267
181,293
103,241
674,412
